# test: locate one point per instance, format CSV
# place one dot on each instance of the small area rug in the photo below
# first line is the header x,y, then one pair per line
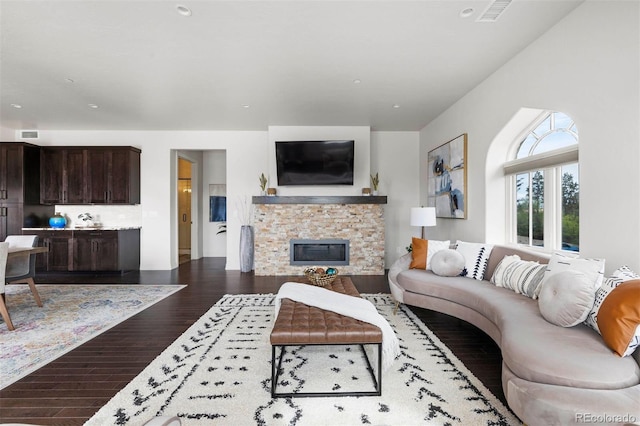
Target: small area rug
x,y
70,316
219,373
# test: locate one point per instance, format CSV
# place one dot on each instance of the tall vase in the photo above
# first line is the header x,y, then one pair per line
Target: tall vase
x,y
246,248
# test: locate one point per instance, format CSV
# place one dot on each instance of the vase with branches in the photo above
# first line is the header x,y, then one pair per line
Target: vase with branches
x,y
263,183
375,181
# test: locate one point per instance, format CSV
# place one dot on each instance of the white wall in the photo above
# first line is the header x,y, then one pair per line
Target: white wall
x,y
7,134
587,66
394,157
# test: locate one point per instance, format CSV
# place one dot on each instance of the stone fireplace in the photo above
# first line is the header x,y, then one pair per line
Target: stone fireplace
x,y
324,222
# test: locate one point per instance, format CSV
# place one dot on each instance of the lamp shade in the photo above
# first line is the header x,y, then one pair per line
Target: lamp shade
x,y
423,216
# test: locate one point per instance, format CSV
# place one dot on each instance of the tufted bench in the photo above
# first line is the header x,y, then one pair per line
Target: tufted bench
x,y
300,324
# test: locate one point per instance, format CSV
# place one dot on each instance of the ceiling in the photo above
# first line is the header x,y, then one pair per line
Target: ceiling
x,y
246,65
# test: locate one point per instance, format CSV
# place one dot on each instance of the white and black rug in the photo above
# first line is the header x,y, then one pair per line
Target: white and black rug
x,y
219,373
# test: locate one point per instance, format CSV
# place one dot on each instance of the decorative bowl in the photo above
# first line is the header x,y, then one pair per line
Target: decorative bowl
x,y
318,276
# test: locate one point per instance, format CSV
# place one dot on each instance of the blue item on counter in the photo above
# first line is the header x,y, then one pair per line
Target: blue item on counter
x,y
57,221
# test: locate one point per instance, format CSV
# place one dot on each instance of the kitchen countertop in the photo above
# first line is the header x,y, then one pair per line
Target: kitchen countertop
x,y
85,228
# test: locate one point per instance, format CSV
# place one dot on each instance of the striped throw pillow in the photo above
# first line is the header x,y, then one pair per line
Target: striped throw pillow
x,y
522,276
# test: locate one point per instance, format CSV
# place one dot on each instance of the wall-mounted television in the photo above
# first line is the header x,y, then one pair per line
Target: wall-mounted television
x,y
328,162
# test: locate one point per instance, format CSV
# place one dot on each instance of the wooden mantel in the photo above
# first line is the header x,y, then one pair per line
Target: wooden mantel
x,y
321,199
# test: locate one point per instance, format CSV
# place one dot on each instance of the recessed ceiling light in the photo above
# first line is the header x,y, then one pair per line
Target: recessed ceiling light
x,y
246,106
17,106
465,13
69,80
396,106
94,106
183,10
357,81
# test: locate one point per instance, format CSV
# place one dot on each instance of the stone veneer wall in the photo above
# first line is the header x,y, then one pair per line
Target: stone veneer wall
x,y
361,224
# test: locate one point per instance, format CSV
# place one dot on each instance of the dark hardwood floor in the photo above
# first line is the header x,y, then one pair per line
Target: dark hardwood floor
x,y
69,390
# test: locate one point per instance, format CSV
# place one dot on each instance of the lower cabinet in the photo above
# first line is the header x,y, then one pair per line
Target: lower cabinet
x,y
95,251
90,250
57,258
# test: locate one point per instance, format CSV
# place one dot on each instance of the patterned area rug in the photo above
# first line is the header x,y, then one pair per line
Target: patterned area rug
x,y
219,372
70,316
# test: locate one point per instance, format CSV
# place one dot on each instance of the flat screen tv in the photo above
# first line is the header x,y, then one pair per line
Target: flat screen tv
x,y
315,162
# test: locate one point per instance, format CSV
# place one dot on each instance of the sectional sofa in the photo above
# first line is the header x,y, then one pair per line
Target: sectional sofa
x,y
551,375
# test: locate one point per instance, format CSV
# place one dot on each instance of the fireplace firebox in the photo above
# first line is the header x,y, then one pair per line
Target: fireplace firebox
x,y
319,252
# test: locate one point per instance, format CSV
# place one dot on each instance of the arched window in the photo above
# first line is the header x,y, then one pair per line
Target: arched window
x,y
544,185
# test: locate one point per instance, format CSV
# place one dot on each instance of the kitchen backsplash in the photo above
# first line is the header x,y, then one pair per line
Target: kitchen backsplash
x,y
103,215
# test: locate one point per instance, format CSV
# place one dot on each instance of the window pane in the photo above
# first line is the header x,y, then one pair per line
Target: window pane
x,y
525,146
537,208
570,208
553,141
543,127
522,206
562,121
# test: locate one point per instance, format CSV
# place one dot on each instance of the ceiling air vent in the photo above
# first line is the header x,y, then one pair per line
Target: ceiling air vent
x,y
494,11
29,134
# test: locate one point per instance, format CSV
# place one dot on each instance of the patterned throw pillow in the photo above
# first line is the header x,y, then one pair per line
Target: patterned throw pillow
x,y
476,258
618,277
522,276
423,250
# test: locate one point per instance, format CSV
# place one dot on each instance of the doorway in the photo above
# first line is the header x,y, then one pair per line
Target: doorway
x,y
184,210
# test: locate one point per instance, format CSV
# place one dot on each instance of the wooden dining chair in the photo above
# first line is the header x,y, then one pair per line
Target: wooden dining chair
x,y
4,251
22,269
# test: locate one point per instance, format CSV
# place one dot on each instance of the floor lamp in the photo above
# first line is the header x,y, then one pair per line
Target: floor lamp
x,y
423,216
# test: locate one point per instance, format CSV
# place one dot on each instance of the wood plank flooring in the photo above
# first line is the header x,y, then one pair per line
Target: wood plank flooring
x,y
69,390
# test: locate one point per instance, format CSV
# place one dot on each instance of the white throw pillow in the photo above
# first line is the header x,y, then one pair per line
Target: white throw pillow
x,y
592,268
447,263
566,298
618,276
522,276
476,258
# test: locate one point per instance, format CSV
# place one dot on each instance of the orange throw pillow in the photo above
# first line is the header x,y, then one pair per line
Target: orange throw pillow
x,y
419,253
619,316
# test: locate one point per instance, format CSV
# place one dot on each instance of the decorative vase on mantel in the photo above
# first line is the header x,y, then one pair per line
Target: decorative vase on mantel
x,y
246,248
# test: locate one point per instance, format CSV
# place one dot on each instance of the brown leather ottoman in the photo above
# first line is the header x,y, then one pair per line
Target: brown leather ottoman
x,y
300,324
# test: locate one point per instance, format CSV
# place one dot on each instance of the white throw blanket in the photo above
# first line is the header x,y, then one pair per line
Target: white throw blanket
x,y
343,304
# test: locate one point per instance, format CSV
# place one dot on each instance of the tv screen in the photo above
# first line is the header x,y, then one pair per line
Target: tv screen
x,y
315,162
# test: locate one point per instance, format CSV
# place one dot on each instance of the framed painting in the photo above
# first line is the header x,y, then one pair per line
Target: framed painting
x,y
447,178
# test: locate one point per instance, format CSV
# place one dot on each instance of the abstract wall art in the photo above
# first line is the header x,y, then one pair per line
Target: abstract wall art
x,y
447,178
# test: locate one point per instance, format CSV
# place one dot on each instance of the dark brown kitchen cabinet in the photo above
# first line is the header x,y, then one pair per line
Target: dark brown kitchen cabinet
x,y
19,186
11,218
89,250
95,251
113,176
58,257
90,175
63,176
11,173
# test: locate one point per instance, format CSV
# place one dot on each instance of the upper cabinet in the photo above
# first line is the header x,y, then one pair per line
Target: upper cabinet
x,y
19,173
19,185
90,175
